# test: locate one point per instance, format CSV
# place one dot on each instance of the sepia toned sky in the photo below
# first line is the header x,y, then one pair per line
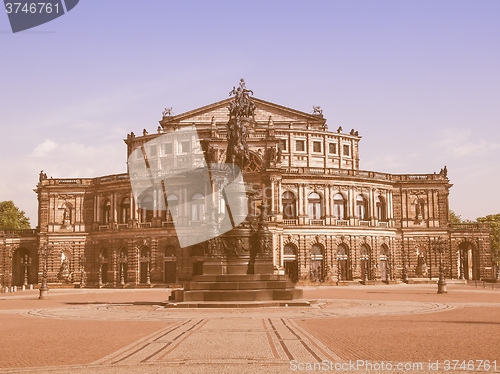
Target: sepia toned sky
x,y
419,80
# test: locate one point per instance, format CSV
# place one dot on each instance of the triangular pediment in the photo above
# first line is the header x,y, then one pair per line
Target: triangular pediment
x,y
220,114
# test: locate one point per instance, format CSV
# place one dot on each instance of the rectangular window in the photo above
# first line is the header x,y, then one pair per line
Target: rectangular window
x,y
332,148
184,147
167,148
152,150
282,144
300,146
346,150
317,147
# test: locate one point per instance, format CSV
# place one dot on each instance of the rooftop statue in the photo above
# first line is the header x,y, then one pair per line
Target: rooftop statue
x,y
241,112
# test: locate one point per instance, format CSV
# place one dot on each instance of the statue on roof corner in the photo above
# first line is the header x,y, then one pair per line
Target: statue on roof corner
x,y
241,113
317,110
167,112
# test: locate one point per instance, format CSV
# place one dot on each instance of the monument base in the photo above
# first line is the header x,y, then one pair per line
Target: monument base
x,y
237,287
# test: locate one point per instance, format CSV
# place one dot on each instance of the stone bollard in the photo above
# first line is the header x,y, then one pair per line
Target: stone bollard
x,y
31,286
15,288
24,287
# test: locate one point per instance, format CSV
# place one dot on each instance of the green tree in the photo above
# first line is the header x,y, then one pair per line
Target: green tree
x,y
456,218
11,217
494,221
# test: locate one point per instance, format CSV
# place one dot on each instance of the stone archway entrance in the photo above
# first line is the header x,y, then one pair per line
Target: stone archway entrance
x,y
469,261
365,262
384,263
317,273
343,263
290,262
421,268
197,256
20,259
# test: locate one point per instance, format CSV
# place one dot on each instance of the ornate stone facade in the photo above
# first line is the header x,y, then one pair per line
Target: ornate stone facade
x,y
330,221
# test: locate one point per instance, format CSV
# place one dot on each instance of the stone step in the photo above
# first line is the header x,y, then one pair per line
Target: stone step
x,y
250,285
236,295
238,304
239,277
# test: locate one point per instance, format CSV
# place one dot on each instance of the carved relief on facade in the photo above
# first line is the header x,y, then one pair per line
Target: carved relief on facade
x,y
318,239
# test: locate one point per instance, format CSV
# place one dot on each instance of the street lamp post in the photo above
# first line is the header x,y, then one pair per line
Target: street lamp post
x,y
338,268
440,245
405,268
462,259
82,271
366,270
147,260
44,289
388,277
25,262
122,260
100,261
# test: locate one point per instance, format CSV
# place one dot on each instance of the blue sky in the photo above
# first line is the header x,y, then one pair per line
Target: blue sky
x,y
419,80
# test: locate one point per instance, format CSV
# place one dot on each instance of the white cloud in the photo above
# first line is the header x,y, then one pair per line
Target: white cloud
x,y
64,160
42,149
464,142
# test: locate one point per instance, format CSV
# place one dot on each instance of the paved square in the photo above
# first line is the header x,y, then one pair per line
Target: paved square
x,y
115,331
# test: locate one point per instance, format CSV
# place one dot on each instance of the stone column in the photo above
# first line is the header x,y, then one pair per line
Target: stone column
x,y
280,202
372,206
98,208
272,205
351,205
327,204
132,206
115,208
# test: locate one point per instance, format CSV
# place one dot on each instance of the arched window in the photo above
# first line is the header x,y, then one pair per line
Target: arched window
x,y
362,208
314,203
145,252
197,250
198,207
147,208
289,205
124,210
106,212
339,207
170,251
381,209
290,250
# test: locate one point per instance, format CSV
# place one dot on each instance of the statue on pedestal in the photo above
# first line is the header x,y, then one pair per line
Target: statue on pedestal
x,y
241,112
